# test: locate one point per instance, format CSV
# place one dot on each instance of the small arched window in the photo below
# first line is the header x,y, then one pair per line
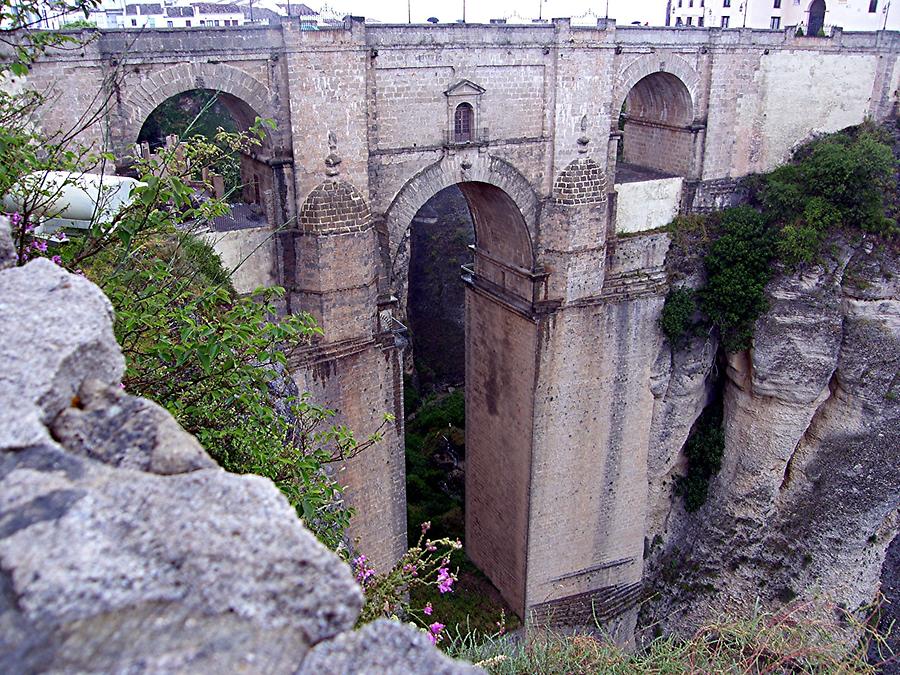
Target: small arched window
x,y
463,123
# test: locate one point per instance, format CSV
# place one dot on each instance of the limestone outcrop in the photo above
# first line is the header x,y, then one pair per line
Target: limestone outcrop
x,y
124,548
806,502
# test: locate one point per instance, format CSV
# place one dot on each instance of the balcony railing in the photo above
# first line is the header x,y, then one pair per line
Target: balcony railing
x,y
476,136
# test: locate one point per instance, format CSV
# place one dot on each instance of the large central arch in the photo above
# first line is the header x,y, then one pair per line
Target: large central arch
x,y
500,346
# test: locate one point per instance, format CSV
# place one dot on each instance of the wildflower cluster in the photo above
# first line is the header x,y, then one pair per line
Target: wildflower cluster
x,y
29,245
363,571
387,595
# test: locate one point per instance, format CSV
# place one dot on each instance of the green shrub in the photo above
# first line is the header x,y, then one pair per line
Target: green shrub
x,y
704,449
840,181
738,268
677,316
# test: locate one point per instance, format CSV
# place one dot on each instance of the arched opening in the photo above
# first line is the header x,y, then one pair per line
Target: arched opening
x,y
655,121
656,151
463,123
816,18
239,176
468,394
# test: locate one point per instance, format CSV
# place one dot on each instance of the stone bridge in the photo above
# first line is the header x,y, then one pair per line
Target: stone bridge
x,y
568,280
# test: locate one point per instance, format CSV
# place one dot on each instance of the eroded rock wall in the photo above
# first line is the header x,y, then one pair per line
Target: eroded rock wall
x,y
124,548
806,502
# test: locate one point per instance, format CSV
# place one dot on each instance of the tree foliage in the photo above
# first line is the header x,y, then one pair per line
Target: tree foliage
x,y
738,267
677,317
704,450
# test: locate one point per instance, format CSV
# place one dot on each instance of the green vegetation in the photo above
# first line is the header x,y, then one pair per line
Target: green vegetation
x,y
79,24
801,638
704,449
841,182
215,360
677,318
435,443
738,267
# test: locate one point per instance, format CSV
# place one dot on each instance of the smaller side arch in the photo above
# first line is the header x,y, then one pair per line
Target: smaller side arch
x,y
649,64
147,93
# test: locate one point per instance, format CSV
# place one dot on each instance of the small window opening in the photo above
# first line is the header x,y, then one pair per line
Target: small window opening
x,y
463,123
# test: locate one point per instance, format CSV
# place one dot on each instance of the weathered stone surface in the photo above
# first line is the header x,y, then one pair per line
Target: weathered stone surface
x,y
123,548
127,432
7,247
60,333
383,647
807,499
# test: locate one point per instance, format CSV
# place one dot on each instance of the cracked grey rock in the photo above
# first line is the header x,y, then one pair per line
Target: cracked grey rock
x,y
57,331
128,432
382,647
124,548
7,247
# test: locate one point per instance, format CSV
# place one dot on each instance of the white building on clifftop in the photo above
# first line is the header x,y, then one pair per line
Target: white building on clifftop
x,y
815,17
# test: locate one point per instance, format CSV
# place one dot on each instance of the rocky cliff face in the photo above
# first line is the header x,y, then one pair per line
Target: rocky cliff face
x,y
124,548
806,502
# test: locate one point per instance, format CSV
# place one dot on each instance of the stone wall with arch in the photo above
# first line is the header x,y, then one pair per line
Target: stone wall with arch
x,y
461,168
249,97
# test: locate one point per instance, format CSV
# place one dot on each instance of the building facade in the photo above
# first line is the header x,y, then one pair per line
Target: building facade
x,y
814,17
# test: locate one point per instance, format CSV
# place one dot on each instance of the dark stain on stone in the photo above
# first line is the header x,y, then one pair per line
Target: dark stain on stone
x,y
51,506
45,459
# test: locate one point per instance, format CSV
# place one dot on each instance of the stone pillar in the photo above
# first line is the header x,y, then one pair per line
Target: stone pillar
x,y
331,267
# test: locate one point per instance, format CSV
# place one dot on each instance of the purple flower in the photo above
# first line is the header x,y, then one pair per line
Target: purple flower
x,y
363,571
57,260
410,569
427,609
435,632
445,580
39,245
60,236
15,218
426,526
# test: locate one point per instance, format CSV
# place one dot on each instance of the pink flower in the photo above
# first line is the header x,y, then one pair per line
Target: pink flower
x,y
445,580
427,609
410,569
435,634
426,526
363,571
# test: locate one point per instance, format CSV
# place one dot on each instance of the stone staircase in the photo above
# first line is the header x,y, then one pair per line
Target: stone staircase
x,y
625,286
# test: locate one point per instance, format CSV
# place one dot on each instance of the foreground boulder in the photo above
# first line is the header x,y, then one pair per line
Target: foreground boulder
x,y
124,548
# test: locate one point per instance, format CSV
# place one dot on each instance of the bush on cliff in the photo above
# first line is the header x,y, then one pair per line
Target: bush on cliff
x,y
678,315
839,182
